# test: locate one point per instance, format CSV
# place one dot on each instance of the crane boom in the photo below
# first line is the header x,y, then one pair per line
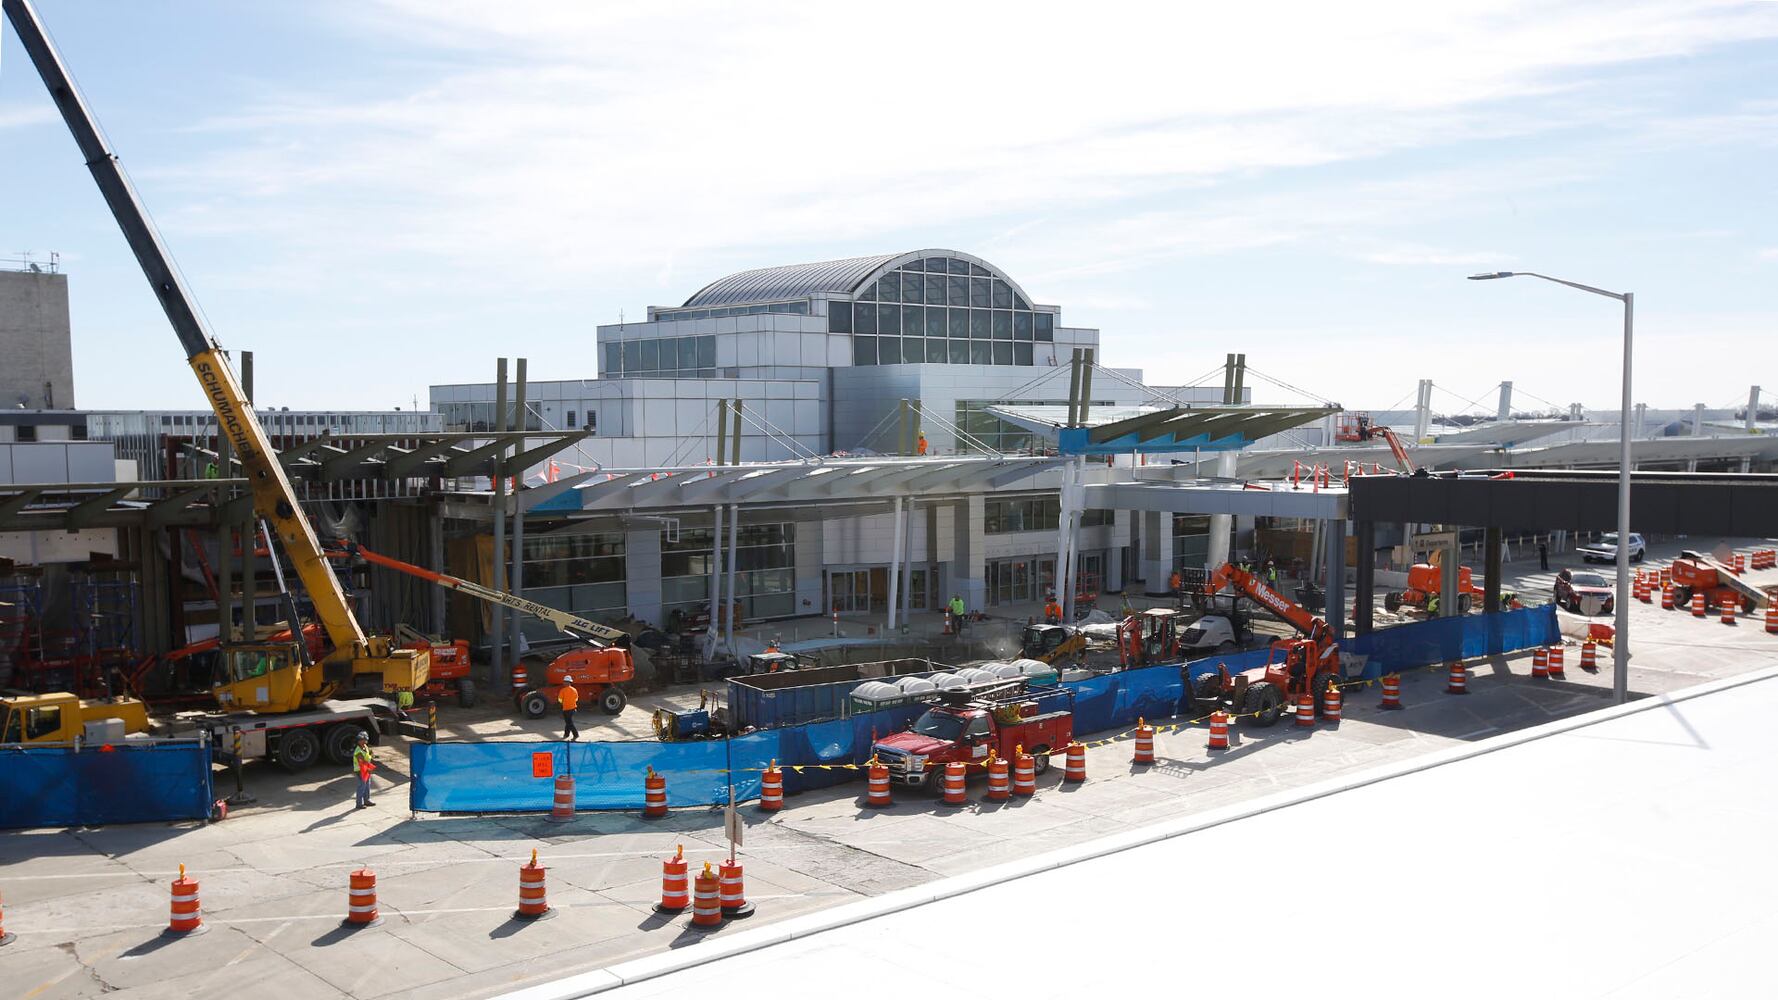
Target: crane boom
x,y
1250,585
571,624
273,497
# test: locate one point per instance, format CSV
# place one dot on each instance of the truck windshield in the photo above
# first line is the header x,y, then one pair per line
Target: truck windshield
x,y
940,726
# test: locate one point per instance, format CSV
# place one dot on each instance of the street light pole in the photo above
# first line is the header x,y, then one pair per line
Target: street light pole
x,y
1620,645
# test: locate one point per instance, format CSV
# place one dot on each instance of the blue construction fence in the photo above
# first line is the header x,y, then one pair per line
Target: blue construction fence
x,y
519,776
130,782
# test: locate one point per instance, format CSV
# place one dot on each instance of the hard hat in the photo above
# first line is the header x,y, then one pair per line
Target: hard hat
x,y
363,737
567,680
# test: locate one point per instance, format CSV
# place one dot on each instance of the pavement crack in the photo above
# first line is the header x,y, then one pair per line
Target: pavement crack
x,y
91,972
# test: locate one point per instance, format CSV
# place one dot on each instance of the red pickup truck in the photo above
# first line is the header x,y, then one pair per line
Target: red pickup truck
x,y
963,724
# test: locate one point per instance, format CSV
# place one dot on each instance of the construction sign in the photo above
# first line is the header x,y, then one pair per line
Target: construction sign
x,y
543,764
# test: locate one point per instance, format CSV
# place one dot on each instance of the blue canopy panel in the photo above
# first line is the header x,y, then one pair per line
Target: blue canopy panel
x,y
1113,430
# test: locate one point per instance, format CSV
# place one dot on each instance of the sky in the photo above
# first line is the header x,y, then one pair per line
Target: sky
x,y
375,196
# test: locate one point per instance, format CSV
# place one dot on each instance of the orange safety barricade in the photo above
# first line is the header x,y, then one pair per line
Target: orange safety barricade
x,y
1699,609
654,795
1074,768
955,777
877,790
999,785
1589,656
1728,612
563,809
187,913
1144,743
1540,661
1556,655
674,896
1024,773
706,909
771,788
1219,731
1331,702
1459,678
1305,711
533,892
733,892
1772,618
361,899
1391,691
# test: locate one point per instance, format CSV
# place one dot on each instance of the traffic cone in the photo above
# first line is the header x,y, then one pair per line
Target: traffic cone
x,y
1589,654
733,892
5,938
1772,618
533,893
1728,612
1667,597
1556,656
186,916
771,789
1305,711
361,900
1219,731
1540,662
673,891
1391,691
1699,609
1331,703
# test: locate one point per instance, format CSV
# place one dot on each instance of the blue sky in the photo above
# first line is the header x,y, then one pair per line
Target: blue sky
x,y
384,194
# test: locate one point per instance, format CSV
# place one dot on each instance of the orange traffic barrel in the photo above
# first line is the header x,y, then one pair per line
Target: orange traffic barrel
x,y
674,897
706,908
1698,608
1024,773
1772,618
1219,731
732,892
877,794
1144,743
1074,767
999,785
1589,653
1391,691
562,810
654,796
1540,661
533,895
1305,711
1728,612
187,914
955,778
5,938
1740,563
771,789
1556,656
361,900
521,680
1331,703
1459,682
1667,596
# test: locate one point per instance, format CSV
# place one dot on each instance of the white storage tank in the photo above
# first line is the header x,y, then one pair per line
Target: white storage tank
x,y
944,682
876,692
915,685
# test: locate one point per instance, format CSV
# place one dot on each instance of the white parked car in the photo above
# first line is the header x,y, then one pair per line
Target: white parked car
x,y
1605,549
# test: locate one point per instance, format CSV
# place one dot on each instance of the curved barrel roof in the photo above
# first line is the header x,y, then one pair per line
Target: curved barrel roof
x,y
836,277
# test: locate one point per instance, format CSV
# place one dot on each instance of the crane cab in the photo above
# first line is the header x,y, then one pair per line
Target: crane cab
x,y
1151,637
264,677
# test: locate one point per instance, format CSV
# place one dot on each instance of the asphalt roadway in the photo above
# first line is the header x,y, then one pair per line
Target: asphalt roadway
x,y
88,905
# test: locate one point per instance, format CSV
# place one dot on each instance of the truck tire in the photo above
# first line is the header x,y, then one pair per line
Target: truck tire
x,y
465,692
298,748
338,741
1392,601
1464,603
1263,703
534,704
1682,598
612,701
1040,759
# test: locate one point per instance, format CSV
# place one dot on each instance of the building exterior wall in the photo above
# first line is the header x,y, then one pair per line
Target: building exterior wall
x,y
36,341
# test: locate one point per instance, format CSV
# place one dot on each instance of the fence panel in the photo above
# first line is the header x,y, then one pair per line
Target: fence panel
x,y
132,782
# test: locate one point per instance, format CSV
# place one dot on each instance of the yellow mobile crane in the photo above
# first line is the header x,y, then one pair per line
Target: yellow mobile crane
x,y
266,677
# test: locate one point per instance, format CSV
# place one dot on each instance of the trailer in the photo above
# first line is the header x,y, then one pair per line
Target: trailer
x,y
295,740
789,698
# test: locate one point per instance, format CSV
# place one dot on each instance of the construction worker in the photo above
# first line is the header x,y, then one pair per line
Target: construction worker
x,y
920,445
1272,574
363,763
1174,582
1052,612
569,699
956,611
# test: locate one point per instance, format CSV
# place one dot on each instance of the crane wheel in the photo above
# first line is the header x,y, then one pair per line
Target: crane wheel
x,y
534,704
466,692
337,742
612,701
1263,702
298,748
